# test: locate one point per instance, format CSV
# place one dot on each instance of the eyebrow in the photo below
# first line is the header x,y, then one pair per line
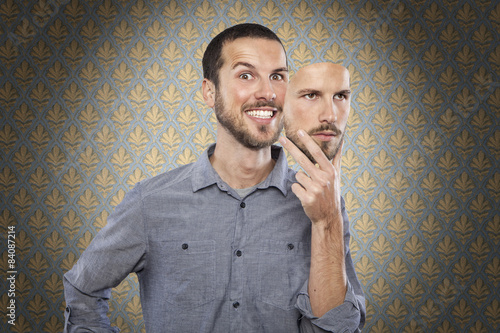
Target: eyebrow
x,y
248,65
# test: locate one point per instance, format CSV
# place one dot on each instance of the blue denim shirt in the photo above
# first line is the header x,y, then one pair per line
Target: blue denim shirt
x,y
208,260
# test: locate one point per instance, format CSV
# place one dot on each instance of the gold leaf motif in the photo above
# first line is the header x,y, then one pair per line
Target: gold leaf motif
x,y
173,14
40,95
449,79
155,119
122,75
381,290
463,228
447,164
462,312
481,122
134,178
171,140
68,262
447,249
134,309
429,312
480,207
450,37
365,227
397,269
350,163
9,11
171,98
138,139
89,75
123,33
352,34
8,53
336,54
189,33
431,227
105,181
22,201
154,161
398,227
482,37
24,117
73,96
493,270
417,36
464,186
55,202
493,312
122,118
433,57
57,74
24,74
365,269
87,202
446,291
399,185
72,138
413,291
433,15
189,77
37,265
384,78
39,180
335,14
366,141
39,138
107,12
37,307
121,161
54,245
366,184
382,206
466,58
384,36
23,159
302,55
432,142
7,179
74,11
318,35
172,55
88,160
138,97
203,139
156,33
479,291
270,14
90,33
71,223
106,96
84,241
187,119
399,142
494,144
25,32
493,186
106,54
368,13
53,287
413,249
100,221
367,98
186,157
205,14
401,15
447,206
73,54
8,137
140,12
449,121
382,247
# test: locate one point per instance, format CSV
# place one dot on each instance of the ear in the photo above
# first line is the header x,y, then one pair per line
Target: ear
x,y
208,90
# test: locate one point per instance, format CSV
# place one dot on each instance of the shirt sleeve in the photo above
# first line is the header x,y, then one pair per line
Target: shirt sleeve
x,y
347,317
117,250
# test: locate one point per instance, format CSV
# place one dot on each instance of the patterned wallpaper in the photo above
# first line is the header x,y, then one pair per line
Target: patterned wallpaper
x,y
97,95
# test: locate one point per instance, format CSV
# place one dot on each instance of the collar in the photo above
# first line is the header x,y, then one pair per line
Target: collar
x,y
204,174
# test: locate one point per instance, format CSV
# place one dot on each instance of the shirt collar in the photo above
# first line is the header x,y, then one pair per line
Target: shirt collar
x,y
205,175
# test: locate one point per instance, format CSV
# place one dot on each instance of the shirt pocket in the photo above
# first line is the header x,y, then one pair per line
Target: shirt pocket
x,y
189,272
283,269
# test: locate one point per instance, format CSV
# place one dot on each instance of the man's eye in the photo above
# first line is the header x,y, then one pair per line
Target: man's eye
x,y
276,77
339,97
310,96
246,76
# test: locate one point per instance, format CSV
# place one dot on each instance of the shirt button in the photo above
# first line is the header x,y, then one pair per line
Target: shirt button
x,y
242,205
290,246
238,253
236,305
185,246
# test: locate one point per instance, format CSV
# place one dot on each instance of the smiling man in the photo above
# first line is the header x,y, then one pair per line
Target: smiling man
x,y
222,244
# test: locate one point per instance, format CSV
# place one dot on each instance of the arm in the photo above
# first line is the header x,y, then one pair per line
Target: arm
x,y
328,288
118,249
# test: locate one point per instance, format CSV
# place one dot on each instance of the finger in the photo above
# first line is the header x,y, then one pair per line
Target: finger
x,y
314,149
298,155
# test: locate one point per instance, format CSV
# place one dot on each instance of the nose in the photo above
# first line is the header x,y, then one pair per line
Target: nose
x,y
328,112
265,91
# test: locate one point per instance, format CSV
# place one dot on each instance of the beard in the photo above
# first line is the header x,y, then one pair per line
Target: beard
x,y
239,129
330,149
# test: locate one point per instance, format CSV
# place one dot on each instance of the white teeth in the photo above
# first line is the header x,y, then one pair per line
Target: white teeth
x,y
264,114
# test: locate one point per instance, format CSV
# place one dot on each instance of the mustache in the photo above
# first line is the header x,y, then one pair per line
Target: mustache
x,y
326,127
261,104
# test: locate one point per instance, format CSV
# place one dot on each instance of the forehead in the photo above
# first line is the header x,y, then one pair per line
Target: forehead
x,y
254,51
326,78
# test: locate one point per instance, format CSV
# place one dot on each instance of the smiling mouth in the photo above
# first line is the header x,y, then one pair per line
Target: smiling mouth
x,y
261,114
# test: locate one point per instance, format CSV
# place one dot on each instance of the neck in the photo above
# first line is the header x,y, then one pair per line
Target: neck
x,y
239,166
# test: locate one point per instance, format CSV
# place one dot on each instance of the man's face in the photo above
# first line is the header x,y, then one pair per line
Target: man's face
x,y
318,101
252,83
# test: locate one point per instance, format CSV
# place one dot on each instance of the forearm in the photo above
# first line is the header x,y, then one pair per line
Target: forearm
x,y
85,313
327,278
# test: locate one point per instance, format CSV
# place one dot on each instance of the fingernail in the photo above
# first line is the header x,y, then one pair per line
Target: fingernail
x,y
282,140
300,132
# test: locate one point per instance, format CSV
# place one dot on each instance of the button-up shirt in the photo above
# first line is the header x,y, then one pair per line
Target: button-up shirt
x,y
208,260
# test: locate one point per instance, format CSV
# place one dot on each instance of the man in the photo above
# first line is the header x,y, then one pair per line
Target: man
x,y
317,106
222,244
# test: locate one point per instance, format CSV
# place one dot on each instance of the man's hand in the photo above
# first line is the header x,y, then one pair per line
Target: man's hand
x,y
318,189
319,192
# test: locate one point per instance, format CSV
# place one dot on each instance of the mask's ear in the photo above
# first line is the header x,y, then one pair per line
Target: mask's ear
x,y
208,90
